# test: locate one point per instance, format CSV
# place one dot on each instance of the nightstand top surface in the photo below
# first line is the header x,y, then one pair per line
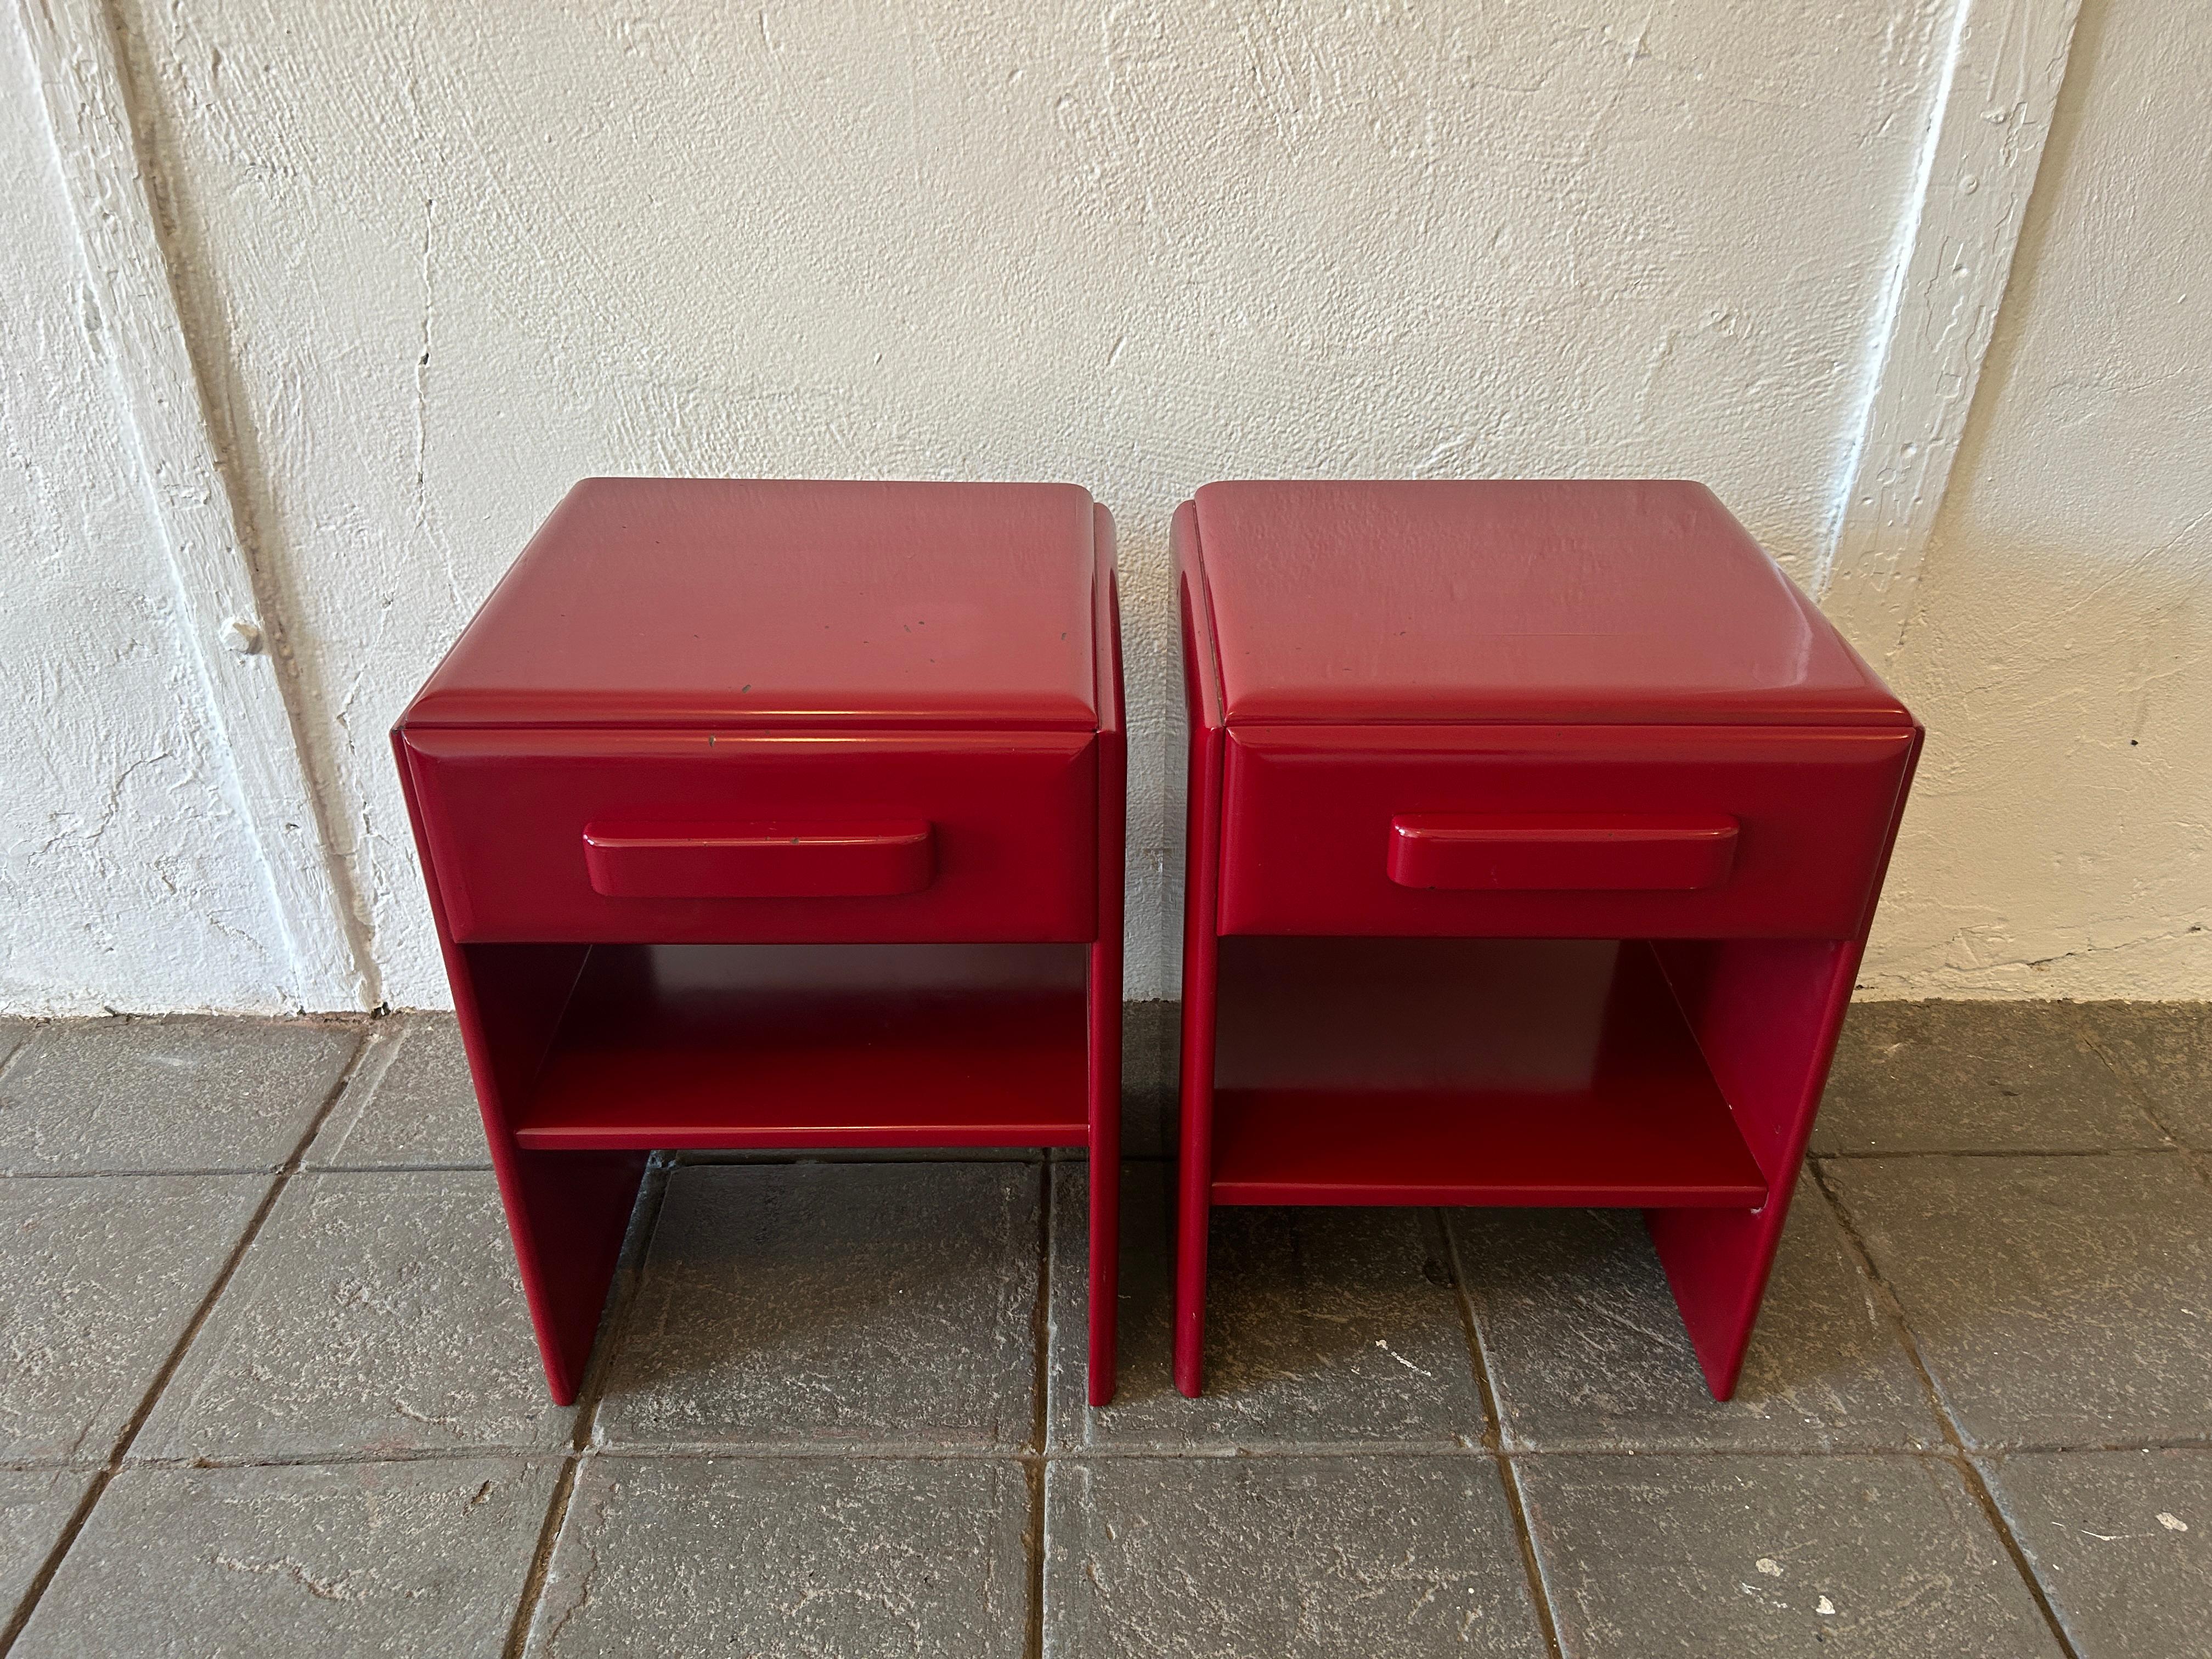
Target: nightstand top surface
x,y
708,602
1452,602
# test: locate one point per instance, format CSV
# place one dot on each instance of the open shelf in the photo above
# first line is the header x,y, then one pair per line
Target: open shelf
x,y
1501,1071
817,1045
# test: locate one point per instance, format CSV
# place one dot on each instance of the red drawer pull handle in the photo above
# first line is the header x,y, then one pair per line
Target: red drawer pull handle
x,y
777,860
1525,852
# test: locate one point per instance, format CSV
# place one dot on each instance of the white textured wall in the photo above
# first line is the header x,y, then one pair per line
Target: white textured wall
x,y
439,261
2060,839
124,879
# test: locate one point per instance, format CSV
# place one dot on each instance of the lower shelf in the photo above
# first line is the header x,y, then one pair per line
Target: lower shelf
x,y
1499,1071
781,1046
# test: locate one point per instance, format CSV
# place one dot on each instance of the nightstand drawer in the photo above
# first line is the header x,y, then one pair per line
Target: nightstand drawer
x,y
1614,832
681,837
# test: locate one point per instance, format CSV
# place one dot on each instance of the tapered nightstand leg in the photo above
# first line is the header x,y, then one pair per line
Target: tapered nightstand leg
x,y
568,1212
1194,1208
1105,1163
1765,1014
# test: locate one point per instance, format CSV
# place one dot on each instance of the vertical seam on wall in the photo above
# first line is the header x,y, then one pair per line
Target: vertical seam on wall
x,y
188,474
344,896
1951,265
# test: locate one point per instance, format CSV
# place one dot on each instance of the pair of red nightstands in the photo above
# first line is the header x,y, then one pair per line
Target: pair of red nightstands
x,y
1534,831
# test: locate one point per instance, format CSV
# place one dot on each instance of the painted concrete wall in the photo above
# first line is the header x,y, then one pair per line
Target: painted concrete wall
x,y
2060,842
438,262
125,877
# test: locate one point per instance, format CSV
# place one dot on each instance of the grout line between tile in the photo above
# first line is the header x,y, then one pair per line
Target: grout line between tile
x,y
937,1453
922,1452
2200,1163
1493,1419
541,1558
1041,1319
263,1170
1886,1295
1493,1433
386,1042
106,1472
614,1326
1978,1490
399,1168
2084,1030
1033,1542
1995,1151
8,1060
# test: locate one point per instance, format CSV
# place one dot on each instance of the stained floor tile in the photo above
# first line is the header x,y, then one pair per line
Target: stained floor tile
x,y
859,1559
1587,1351
420,1557
2057,1301
1286,1556
95,1095
35,1505
1954,1076
411,1103
103,1275
2121,1542
874,1323
1325,1327
1874,1556
846,1305
2164,1050
376,1313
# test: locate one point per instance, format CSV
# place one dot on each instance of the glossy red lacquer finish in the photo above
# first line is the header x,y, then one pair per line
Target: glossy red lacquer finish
x,y
1450,1071
1308,810
1563,852
1012,819
1534,832
1607,601
778,814
709,603
760,858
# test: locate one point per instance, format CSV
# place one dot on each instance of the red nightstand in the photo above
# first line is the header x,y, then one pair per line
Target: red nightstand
x,y
1534,832
779,815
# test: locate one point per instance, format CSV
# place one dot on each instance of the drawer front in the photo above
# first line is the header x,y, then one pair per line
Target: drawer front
x,y
1532,832
679,837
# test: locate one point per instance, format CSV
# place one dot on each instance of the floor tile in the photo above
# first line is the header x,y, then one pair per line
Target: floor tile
x,y
884,1306
842,1558
2164,1050
377,1313
1954,1076
410,1104
97,1096
417,1557
1873,1556
1286,1556
2057,1301
1326,1327
2121,1542
35,1505
1587,1351
103,1275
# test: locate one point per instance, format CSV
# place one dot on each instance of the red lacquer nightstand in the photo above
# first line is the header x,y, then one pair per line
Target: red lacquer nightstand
x,y
1534,832
779,815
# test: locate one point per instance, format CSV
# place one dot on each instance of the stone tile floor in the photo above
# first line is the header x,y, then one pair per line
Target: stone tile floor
x,y
266,1386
